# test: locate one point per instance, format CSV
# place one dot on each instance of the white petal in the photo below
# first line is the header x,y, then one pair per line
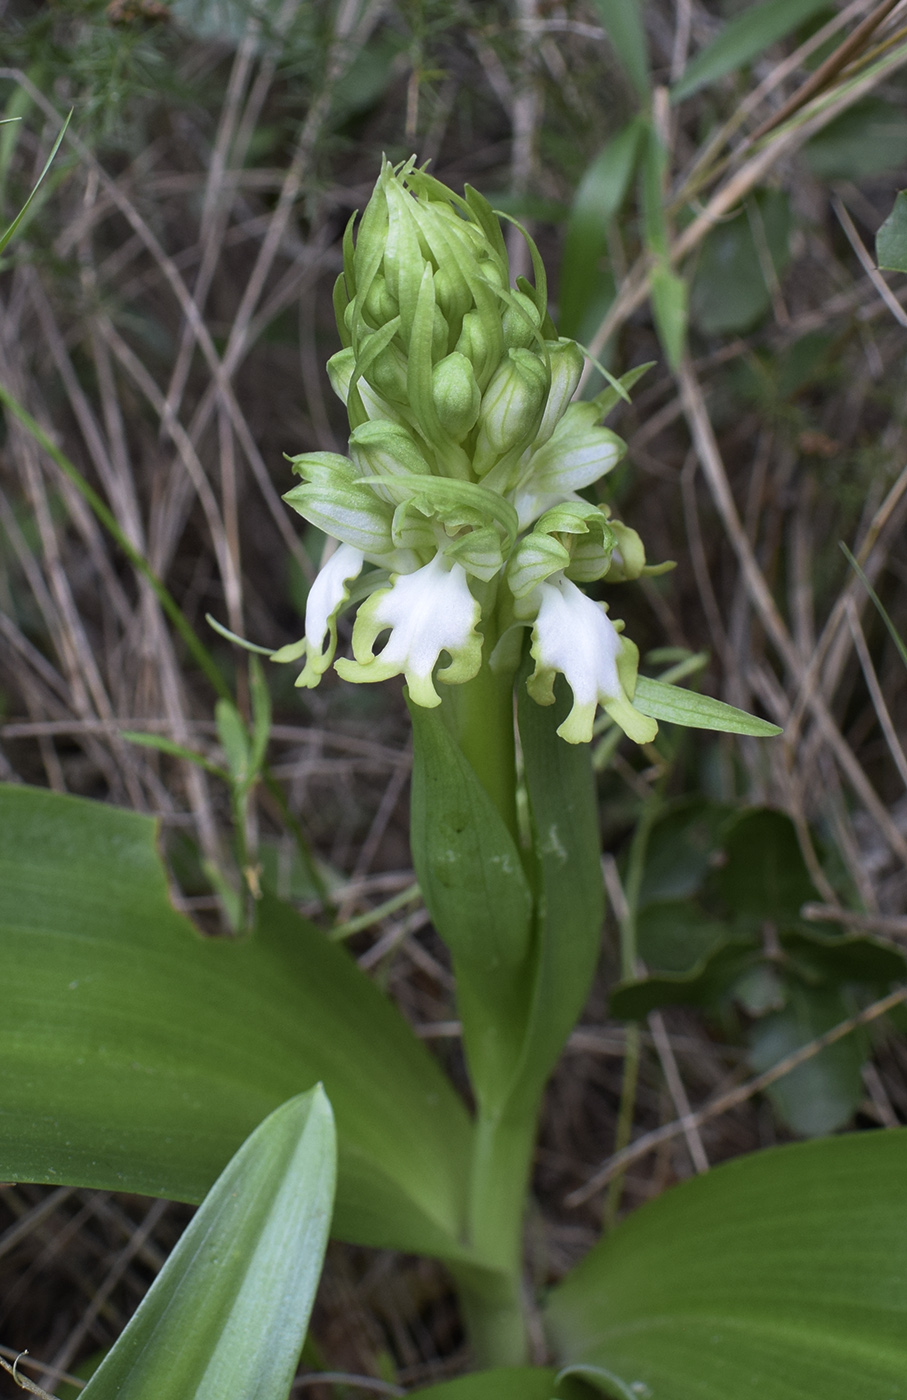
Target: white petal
x,y
329,592
575,636
429,611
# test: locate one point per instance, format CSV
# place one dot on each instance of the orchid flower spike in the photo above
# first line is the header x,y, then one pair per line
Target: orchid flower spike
x,y
456,512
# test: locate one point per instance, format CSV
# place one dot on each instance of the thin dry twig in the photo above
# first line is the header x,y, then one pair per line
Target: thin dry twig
x,y
734,1097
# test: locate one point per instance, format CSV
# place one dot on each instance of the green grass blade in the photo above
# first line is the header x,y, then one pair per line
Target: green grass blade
x,y
622,21
743,39
895,635
181,623
168,746
11,231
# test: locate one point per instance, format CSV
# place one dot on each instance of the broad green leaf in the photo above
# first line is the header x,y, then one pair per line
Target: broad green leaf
x,y
678,706
704,984
892,237
743,38
837,957
730,293
140,1055
227,1314
672,935
622,21
822,1094
670,296
778,1276
564,813
508,1383
681,846
763,875
870,138
471,876
598,199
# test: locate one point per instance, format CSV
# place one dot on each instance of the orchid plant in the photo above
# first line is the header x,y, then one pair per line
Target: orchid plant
x,y
142,1057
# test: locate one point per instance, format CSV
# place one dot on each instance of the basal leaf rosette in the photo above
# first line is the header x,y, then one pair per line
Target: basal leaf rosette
x,y
456,518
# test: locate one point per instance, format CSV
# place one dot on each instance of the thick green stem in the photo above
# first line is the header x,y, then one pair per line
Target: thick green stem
x,y
493,1302
480,716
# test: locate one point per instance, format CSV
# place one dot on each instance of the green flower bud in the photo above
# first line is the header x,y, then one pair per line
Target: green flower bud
x,y
511,408
481,342
629,557
566,361
379,306
456,395
452,293
386,449
520,322
387,374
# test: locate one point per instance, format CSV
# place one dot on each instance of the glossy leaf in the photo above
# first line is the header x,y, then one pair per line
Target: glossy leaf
x,y
141,1055
598,199
742,39
678,706
778,1276
228,1313
468,864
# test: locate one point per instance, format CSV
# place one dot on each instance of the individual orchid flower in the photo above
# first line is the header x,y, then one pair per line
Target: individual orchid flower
x,y
429,612
574,636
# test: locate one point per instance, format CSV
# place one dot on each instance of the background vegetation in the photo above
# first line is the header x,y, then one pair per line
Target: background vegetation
x,y
166,315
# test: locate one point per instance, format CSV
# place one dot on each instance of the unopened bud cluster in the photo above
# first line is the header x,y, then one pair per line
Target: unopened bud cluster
x,y
466,455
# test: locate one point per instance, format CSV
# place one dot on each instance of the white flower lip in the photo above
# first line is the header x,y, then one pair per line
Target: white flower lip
x,y
574,636
429,611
